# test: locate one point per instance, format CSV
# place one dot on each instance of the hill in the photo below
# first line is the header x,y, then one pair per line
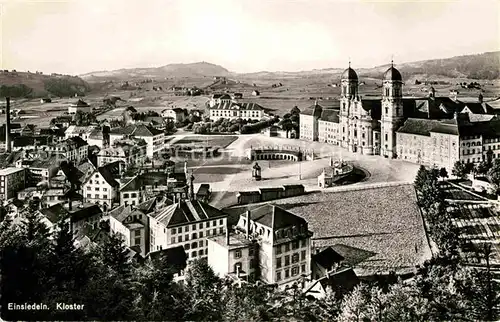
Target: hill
x,y
193,70
31,85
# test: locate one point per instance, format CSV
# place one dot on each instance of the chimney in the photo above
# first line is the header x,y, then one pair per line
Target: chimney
x,y
7,125
248,224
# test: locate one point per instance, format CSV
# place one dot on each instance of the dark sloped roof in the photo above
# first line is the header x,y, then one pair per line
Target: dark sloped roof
x,y
235,106
425,127
349,74
374,106
341,282
174,257
55,213
275,217
330,115
75,142
106,172
392,74
22,141
86,212
480,108
327,258
188,211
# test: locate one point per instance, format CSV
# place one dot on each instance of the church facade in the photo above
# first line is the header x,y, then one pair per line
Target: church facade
x,y
430,130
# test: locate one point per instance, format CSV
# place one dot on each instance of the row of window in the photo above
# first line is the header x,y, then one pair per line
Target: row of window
x,y
97,196
295,271
207,224
286,259
195,235
283,248
132,195
96,188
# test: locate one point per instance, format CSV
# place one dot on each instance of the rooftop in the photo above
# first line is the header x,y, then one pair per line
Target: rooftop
x,y
235,241
9,171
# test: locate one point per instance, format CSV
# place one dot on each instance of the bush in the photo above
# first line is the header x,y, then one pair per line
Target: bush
x,y
66,87
14,91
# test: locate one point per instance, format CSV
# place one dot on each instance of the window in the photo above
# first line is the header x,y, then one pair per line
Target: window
x,y
106,197
194,245
180,230
96,196
96,188
187,246
89,195
125,195
104,189
303,268
278,262
287,260
252,264
220,222
386,137
194,227
194,254
237,254
89,188
186,237
295,271
295,258
250,251
278,276
172,241
201,234
287,247
200,252
221,230
302,255
287,273
208,224
214,231
180,239
295,244
278,249
173,231
186,229
90,181
200,226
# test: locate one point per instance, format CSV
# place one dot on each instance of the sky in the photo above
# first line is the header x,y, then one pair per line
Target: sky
x,y
81,36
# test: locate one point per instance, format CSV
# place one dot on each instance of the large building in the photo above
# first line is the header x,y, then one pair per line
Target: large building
x,y
391,125
12,180
270,244
79,106
155,139
232,111
128,151
73,149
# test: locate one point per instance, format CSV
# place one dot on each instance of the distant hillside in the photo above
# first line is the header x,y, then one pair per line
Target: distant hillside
x,y
31,85
194,70
480,66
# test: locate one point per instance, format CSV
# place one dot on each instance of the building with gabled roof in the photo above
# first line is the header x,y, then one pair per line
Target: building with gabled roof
x,y
341,282
79,106
52,215
275,247
73,149
83,215
187,223
154,138
80,131
174,114
232,111
131,151
101,185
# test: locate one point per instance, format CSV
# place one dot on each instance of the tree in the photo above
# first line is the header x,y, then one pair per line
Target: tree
x,y
295,111
204,288
482,168
494,173
459,170
354,306
443,173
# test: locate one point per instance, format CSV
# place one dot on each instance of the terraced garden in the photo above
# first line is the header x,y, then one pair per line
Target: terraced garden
x,y
385,221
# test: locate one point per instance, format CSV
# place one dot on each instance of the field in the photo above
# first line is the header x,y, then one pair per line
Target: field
x,y
384,223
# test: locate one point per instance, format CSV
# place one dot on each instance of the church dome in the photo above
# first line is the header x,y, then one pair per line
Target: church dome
x,y
392,74
349,74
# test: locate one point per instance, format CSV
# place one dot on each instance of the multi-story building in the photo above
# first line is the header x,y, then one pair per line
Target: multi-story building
x,y
81,131
40,167
79,106
373,126
174,114
73,149
270,244
98,138
146,185
155,139
128,151
233,111
219,99
12,180
187,223
101,187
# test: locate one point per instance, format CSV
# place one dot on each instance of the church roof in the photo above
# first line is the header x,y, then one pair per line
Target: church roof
x,y
392,74
330,115
349,74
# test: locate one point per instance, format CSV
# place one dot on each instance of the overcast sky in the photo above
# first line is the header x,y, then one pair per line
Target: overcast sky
x,y
241,35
